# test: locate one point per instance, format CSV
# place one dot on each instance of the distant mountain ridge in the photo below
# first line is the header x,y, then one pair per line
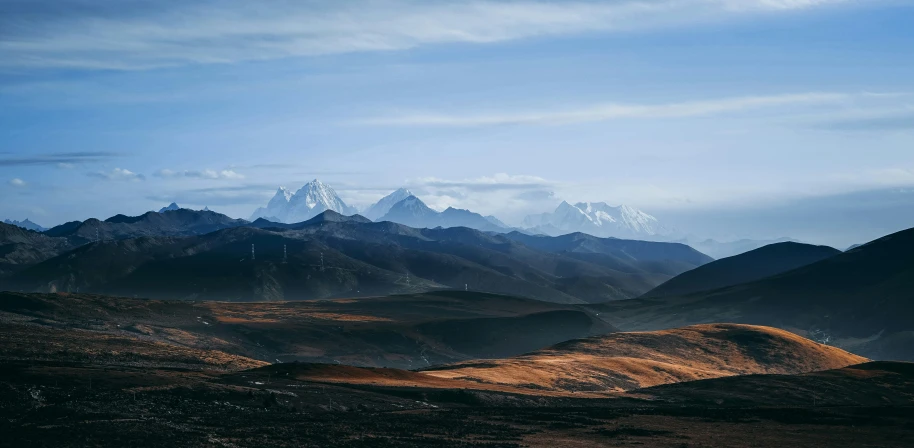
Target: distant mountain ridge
x,y
25,224
412,212
169,207
333,255
179,222
306,203
724,249
383,206
598,219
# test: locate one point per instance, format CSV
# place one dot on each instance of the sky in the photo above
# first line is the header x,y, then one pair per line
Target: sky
x,y
723,118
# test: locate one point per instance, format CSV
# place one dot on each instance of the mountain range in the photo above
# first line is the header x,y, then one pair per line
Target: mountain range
x,y
209,256
404,207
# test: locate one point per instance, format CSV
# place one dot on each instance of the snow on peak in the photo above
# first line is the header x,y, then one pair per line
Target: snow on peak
x,y
597,218
310,200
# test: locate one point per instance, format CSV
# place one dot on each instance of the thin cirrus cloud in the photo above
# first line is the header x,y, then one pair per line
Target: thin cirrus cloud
x,y
614,111
140,35
118,174
17,182
199,174
61,159
497,182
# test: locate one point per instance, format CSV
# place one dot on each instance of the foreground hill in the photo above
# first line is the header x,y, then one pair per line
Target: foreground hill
x,y
406,331
606,365
873,384
335,256
753,265
87,370
626,361
861,300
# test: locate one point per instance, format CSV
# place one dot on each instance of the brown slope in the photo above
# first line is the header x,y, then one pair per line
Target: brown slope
x,y
625,361
405,331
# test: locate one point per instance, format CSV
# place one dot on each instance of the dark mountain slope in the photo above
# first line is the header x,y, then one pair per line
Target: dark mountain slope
x,y
20,248
861,300
753,265
359,258
181,222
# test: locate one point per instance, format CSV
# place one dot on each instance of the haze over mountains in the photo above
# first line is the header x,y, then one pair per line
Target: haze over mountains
x,y
25,224
404,207
598,219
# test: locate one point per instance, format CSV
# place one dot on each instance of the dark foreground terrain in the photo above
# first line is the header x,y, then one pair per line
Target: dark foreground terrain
x,y
86,370
67,404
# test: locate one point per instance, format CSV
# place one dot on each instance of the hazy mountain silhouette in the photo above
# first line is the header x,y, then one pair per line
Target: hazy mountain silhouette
x,y
862,300
753,265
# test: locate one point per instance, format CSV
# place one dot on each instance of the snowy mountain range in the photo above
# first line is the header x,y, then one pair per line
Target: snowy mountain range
x,y
401,206
598,219
309,201
25,224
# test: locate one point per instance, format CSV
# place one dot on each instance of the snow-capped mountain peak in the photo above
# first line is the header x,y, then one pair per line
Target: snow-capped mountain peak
x,y
380,208
309,201
598,219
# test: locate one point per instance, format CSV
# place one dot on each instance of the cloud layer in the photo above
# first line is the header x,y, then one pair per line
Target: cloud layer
x,y
614,111
118,174
199,174
145,34
60,159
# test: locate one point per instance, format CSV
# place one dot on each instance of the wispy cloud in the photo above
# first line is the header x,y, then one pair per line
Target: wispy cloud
x,y
118,174
16,182
248,194
498,182
614,111
876,121
61,159
140,35
200,174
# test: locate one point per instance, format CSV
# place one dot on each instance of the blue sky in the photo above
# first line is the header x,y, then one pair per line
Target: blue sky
x,y
725,118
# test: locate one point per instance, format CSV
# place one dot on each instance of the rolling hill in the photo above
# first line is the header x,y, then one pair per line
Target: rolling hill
x,y
861,300
406,331
753,265
627,361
